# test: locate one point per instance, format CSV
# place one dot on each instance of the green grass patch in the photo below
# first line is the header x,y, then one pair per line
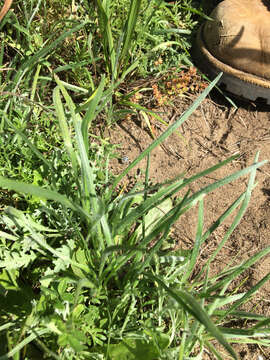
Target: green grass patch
x,y
92,267
87,272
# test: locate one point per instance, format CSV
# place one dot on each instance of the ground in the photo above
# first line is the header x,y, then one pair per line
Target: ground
x,y
215,131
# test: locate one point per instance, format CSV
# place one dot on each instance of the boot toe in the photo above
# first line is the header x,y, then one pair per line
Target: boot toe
x,y
237,41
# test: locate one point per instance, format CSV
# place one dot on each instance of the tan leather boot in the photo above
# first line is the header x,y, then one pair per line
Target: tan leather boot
x,y
5,8
237,42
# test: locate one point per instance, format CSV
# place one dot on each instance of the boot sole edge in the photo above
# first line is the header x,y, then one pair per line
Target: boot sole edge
x,y
237,82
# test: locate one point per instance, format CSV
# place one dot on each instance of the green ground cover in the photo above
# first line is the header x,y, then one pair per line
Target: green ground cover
x,y
87,272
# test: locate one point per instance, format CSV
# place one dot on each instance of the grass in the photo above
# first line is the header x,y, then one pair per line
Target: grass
x,y
88,272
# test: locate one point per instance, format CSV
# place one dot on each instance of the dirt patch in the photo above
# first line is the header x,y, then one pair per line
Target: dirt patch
x,y
213,132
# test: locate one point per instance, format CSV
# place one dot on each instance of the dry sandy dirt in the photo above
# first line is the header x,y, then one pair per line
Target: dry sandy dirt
x,y
215,131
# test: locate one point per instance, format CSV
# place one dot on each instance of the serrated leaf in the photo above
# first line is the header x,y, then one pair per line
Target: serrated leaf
x,y
14,260
65,253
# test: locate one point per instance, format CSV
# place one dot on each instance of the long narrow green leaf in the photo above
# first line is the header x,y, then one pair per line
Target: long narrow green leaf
x,y
212,348
107,37
238,216
161,226
45,51
247,296
237,219
243,315
88,192
223,217
239,270
90,200
41,193
227,299
183,339
146,184
148,204
209,170
23,343
215,225
6,326
65,130
249,340
129,29
226,180
190,304
196,327
262,323
184,183
168,132
151,202
197,244
244,333
90,113
158,244
34,85
196,11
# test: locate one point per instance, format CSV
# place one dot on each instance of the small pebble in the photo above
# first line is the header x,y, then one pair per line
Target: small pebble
x,y
124,159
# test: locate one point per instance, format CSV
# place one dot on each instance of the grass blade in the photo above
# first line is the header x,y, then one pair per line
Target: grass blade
x,y
190,304
107,37
239,270
129,29
90,200
246,296
148,204
215,225
65,130
23,343
45,51
90,113
38,191
168,132
225,181
239,215
197,244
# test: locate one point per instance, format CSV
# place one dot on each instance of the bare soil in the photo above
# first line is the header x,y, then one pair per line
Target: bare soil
x,y
215,131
